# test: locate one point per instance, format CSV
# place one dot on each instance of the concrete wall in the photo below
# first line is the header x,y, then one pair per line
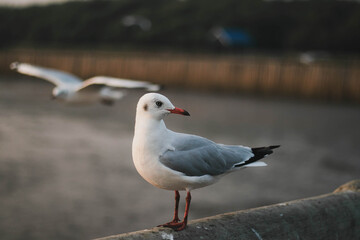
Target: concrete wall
x,y
332,216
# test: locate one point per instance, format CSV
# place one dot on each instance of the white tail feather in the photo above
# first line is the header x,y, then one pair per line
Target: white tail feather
x,y
256,164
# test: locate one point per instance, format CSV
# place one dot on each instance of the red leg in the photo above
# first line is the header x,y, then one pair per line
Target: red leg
x,y
176,212
182,225
178,226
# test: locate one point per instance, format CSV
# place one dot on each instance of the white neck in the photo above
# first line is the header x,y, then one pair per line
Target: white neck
x,y
150,134
147,125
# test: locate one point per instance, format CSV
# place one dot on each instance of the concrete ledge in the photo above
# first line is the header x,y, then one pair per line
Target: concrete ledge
x,y
331,216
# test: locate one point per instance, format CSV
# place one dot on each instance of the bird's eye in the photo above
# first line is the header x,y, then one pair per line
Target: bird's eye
x,y
159,103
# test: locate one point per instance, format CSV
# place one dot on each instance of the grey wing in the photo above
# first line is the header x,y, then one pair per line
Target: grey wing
x,y
196,156
98,82
54,76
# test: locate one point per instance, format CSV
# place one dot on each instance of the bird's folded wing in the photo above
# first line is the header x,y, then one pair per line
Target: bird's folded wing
x,y
204,157
100,81
54,76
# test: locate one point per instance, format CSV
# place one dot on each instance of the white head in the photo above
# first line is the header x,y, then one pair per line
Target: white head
x,y
157,106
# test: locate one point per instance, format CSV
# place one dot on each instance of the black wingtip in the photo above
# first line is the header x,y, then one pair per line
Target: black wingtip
x,y
274,146
259,153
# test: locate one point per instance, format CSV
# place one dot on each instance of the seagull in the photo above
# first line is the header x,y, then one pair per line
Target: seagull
x,y
182,162
71,89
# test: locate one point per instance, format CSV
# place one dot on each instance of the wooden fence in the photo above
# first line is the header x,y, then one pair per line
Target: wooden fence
x,y
336,80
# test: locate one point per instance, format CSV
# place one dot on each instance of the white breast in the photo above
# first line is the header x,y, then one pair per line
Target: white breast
x,y
146,154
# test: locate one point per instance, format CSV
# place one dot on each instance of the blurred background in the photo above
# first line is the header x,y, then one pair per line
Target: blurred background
x,y
250,72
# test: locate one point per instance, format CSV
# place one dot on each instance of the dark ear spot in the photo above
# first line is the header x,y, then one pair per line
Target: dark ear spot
x,y
145,107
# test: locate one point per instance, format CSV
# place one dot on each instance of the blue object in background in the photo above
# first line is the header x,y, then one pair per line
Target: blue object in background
x,y
232,36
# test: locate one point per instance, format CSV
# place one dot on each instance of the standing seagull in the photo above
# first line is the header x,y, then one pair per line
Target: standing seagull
x,y
71,89
177,161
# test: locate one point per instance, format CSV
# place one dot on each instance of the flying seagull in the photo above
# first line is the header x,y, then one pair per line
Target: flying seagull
x,y
71,89
182,162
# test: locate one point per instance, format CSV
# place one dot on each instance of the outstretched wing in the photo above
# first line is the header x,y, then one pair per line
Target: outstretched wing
x,y
54,76
95,83
197,156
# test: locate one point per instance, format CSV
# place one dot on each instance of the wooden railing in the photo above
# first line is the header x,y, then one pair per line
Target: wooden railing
x,y
337,80
327,217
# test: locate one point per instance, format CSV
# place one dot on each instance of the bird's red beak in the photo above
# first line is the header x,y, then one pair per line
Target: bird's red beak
x,y
179,111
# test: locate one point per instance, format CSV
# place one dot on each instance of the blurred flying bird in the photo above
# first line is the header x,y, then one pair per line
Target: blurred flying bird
x,y
71,89
178,161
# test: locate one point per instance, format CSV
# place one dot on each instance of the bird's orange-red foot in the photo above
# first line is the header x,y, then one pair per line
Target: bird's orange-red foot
x,y
177,226
170,224
176,215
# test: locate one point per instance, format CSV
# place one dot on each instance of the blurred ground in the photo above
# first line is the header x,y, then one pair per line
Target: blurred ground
x,y
67,172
